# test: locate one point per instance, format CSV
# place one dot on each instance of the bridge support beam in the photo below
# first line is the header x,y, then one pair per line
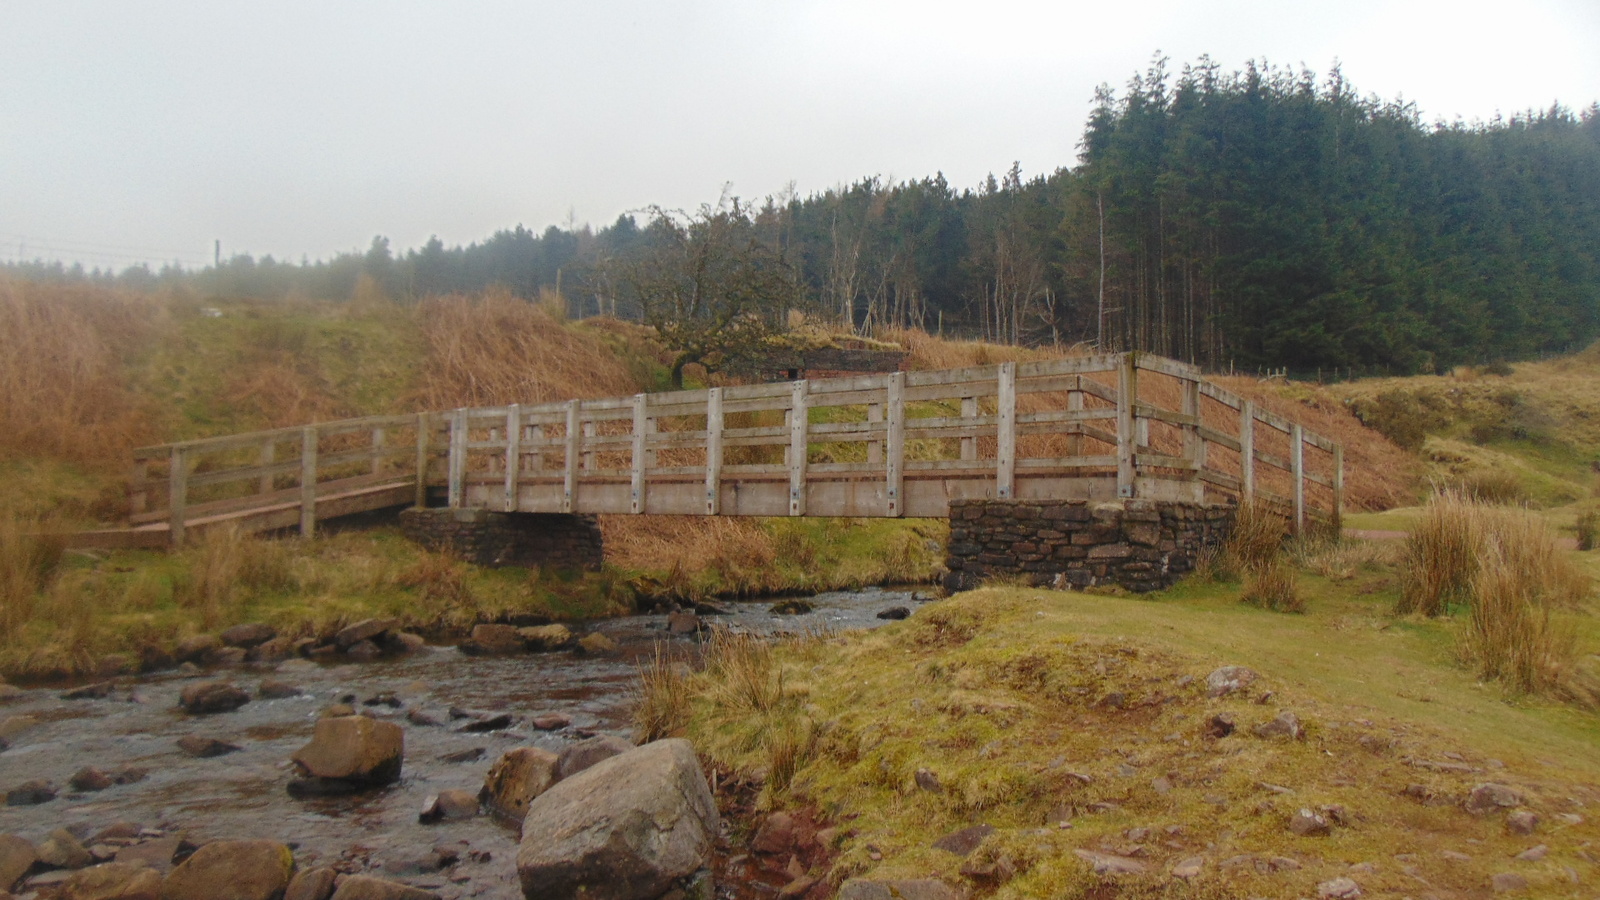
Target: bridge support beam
x,y
558,540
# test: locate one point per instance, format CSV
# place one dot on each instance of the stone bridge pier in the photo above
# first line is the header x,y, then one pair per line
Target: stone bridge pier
x,y
1142,545
559,540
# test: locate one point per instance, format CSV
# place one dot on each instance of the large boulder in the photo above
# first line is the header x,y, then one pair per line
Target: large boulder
x,y
626,828
17,856
232,870
516,778
112,881
208,697
350,752
312,884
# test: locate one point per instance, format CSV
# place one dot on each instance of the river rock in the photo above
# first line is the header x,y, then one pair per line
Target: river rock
x,y
517,778
623,829
12,726
10,693
227,656
277,649
585,753
17,856
350,752
62,850
210,697
1229,679
312,884
273,689
894,612
31,793
546,638
365,887
493,640
406,642
448,806
683,621
232,870
364,630
550,721
495,722
595,642
90,778
97,691
363,651
205,747
248,634
194,649
112,881
911,889
793,607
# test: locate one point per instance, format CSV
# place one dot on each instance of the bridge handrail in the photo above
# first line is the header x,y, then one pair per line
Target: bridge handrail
x,y
585,442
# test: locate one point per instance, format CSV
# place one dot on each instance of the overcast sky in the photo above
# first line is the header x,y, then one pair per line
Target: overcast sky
x,y
144,130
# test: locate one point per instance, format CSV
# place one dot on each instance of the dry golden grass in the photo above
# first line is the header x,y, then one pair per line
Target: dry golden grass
x,y
662,698
1510,635
64,352
27,561
495,348
1271,585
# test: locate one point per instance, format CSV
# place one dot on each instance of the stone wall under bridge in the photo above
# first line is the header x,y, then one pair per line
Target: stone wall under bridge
x,y
508,539
1142,545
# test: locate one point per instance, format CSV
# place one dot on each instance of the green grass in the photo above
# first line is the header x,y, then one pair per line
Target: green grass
x,y
1001,693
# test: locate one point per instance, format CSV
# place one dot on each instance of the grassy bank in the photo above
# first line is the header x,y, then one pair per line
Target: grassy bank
x,y
1026,709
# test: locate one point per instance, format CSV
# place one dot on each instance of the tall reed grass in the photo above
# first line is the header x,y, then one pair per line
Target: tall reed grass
x,y
1505,569
27,561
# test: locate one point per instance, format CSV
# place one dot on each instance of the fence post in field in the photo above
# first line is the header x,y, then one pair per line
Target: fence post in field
x,y
308,481
799,420
1005,468
1247,451
895,468
713,451
513,454
1194,448
1297,467
875,448
177,493
1127,436
422,459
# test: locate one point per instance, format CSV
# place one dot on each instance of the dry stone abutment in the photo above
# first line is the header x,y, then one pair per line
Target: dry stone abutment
x,y
1141,545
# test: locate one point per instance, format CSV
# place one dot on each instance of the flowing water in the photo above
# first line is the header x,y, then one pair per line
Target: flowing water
x,y
243,794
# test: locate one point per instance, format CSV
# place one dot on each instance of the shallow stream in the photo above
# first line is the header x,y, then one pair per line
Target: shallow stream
x,y
243,794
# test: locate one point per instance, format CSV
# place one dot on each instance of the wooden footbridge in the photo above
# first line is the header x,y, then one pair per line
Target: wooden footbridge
x,y
1127,425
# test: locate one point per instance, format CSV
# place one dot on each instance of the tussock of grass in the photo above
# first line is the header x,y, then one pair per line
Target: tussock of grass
x,y
1271,585
27,562
662,706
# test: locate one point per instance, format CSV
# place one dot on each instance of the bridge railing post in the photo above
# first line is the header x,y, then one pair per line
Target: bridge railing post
x,y
424,444
1127,434
458,458
308,481
1297,470
895,464
714,451
640,434
177,493
569,493
513,454
799,421
1247,451
1006,432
